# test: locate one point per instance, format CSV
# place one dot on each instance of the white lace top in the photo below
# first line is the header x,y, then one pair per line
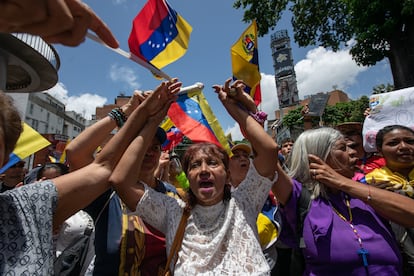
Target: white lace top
x,y
218,240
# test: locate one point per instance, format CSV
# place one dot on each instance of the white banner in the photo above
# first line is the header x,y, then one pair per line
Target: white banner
x,y
392,108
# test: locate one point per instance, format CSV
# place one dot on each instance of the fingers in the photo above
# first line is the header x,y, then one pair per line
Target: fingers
x,y
216,88
102,30
137,97
17,14
227,85
73,36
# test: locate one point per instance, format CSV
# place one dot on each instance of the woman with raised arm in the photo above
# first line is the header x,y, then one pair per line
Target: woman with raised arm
x,y
220,236
31,211
342,227
123,242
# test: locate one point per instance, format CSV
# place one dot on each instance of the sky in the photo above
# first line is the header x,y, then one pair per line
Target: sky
x,y
92,75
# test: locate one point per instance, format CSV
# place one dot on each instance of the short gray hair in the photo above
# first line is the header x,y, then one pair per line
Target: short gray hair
x,y
319,142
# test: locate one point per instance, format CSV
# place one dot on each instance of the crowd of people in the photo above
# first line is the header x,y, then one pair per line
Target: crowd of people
x,y
336,208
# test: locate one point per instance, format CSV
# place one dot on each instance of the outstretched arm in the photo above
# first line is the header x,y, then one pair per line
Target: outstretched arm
x,y
127,171
56,21
390,205
265,148
80,151
77,189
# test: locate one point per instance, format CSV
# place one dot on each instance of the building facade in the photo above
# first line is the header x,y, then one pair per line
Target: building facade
x,y
285,77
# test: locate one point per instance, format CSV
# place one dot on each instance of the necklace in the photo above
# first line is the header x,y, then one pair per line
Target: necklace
x,y
361,251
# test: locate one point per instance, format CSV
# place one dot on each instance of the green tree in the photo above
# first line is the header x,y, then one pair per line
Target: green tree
x,y
293,117
352,111
380,28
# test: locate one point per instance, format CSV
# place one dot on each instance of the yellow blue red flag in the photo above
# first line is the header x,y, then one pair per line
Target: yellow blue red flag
x,y
29,142
159,34
192,115
245,62
174,135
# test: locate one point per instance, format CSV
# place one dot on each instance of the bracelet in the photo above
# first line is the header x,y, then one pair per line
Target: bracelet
x,y
369,193
259,116
118,116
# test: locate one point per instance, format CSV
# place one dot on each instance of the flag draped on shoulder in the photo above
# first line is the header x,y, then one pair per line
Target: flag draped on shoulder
x,y
159,34
192,115
245,62
29,142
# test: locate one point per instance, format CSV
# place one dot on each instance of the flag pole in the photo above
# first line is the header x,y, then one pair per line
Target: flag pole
x,y
154,70
191,88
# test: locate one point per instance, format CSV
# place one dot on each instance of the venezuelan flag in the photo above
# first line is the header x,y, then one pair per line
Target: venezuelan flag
x,y
29,142
174,135
192,115
245,62
268,227
159,35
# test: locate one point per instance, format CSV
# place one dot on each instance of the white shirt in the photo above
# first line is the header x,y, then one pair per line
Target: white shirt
x,y
219,239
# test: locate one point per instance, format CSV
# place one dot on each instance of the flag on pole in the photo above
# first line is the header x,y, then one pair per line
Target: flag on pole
x,y
159,34
245,62
192,115
29,142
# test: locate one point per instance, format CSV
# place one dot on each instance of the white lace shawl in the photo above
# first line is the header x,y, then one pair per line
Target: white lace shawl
x,y
220,239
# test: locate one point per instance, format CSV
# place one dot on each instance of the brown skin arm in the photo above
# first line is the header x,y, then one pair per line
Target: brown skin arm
x,y
390,205
127,171
80,151
266,149
79,188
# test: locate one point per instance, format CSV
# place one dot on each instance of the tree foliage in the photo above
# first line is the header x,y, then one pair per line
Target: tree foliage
x,y
382,88
352,111
378,29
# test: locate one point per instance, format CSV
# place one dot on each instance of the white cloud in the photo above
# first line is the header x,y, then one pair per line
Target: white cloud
x,y
323,69
84,104
269,95
269,104
124,74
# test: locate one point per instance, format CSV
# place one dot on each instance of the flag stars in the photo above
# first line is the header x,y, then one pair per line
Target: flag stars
x,y
193,111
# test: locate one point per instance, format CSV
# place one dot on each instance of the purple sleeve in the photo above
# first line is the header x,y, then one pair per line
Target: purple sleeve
x,y
288,213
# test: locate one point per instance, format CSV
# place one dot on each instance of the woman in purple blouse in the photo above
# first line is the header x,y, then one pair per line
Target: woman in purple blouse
x,y
345,230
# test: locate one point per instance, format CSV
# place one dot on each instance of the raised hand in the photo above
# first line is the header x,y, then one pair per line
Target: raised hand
x,y
54,21
162,96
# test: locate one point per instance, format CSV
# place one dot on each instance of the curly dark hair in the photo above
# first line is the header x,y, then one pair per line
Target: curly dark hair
x,y
10,124
210,149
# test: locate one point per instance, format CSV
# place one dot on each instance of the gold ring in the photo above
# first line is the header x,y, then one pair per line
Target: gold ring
x,y
314,172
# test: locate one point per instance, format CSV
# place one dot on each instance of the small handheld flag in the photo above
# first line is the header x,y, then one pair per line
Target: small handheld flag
x,y
29,142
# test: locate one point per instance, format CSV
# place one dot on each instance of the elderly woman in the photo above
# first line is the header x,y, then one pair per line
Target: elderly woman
x,y
220,236
345,230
